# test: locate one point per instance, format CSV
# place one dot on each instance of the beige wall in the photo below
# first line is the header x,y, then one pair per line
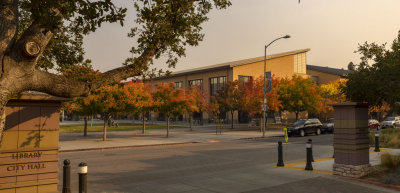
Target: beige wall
x,y
280,67
323,78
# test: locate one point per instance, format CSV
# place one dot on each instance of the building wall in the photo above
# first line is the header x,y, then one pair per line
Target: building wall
x,y
205,76
280,67
323,78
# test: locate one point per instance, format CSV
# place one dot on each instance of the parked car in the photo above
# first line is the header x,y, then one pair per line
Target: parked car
x,y
373,124
304,127
390,122
328,127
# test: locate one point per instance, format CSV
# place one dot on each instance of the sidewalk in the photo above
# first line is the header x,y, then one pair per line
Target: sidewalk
x,y
324,165
123,139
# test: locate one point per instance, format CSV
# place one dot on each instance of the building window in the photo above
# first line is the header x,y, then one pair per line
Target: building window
x,y
300,63
198,82
244,79
216,83
178,85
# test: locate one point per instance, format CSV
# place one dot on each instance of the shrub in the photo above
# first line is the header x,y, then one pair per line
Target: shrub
x,y
395,141
388,138
390,161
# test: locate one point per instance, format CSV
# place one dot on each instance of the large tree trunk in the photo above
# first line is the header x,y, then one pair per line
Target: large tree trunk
x,y
85,126
168,126
297,115
144,123
2,122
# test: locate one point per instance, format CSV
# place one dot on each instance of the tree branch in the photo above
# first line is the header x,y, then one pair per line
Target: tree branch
x,y
60,85
57,85
136,69
8,23
32,42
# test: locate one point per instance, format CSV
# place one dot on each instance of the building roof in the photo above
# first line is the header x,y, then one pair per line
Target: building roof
x,y
231,64
328,70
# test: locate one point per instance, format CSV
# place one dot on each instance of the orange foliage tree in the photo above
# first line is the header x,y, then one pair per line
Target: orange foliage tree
x,y
253,96
229,98
169,101
331,93
196,101
111,100
299,94
141,100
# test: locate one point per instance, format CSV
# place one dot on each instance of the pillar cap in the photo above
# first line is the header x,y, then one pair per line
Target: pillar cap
x,y
356,104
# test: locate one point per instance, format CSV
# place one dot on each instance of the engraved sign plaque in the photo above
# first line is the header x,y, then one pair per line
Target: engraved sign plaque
x,y
29,151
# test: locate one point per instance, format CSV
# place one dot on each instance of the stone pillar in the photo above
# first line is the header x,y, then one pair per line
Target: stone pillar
x,y
29,153
351,141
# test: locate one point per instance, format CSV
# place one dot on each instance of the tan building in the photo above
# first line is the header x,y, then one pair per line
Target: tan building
x,y
323,75
211,78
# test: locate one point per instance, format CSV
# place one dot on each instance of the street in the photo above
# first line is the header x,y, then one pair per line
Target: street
x,y
218,166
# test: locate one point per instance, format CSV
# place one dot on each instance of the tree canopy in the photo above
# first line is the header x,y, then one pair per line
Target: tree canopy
x,y
41,37
376,79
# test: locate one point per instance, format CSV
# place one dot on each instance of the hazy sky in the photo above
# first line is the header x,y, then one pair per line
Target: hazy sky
x,y
331,28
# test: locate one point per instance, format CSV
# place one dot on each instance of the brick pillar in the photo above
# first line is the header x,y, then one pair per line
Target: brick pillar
x,y
351,141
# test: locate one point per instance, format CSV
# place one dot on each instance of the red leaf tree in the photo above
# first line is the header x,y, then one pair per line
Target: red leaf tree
x,y
169,101
196,101
140,100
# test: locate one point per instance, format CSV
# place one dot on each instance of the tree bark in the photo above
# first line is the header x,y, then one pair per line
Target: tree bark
x,y
85,126
144,123
106,118
232,119
191,122
168,125
297,115
91,121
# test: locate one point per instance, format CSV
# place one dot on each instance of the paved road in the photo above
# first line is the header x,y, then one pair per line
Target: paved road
x,y
227,166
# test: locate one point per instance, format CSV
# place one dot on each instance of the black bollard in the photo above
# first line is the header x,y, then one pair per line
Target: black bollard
x,y
309,154
312,156
377,142
66,177
82,172
280,155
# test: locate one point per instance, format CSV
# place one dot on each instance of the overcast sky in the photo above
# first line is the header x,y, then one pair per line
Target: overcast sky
x,y
331,28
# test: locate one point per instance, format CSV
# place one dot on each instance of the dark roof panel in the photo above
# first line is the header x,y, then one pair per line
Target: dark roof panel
x,y
328,70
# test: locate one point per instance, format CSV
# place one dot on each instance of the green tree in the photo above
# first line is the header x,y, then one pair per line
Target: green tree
x,y
376,79
39,35
169,101
299,94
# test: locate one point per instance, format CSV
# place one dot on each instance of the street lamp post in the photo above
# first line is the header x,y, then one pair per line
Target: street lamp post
x,y
265,106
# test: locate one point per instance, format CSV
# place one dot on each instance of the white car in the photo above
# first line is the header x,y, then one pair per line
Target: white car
x,y
391,122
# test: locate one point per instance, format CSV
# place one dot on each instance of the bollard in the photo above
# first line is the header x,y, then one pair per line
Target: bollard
x,y
312,156
82,172
377,142
309,152
280,155
66,177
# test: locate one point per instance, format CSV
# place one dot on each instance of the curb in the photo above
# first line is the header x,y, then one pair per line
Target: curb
x,y
389,186
126,147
